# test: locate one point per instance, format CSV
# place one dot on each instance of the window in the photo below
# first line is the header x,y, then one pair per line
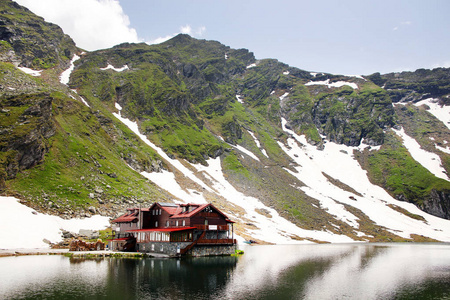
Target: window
x,y
167,223
176,223
184,222
156,223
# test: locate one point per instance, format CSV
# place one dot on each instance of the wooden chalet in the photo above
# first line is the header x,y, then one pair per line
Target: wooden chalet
x,y
175,229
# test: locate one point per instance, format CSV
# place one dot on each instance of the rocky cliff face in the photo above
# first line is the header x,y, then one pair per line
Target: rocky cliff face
x,y
26,125
29,41
438,204
415,86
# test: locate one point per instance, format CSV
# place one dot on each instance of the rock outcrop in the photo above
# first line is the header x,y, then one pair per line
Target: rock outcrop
x,y
26,126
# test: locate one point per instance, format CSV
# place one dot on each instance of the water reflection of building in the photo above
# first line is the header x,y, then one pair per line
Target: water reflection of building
x,y
175,229
157,278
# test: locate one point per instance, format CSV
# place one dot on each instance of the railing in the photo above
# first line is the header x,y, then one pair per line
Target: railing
x,y
212,227
216,241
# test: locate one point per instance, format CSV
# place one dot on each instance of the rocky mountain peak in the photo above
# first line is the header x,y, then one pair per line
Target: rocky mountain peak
x,y
29,41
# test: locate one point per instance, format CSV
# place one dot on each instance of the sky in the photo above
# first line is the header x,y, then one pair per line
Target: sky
x,y
351,37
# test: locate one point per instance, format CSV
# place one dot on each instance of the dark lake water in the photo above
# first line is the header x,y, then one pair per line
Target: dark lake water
x,y
343,271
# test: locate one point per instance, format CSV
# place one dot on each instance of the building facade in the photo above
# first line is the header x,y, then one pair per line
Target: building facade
x,y
174,230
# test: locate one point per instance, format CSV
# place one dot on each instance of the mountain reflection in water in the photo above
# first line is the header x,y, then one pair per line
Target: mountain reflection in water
x,y
350,271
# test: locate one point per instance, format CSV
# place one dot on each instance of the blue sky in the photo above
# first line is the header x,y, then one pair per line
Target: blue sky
x,y
342,37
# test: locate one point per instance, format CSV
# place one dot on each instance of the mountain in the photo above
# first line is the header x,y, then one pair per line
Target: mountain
x,y
290,155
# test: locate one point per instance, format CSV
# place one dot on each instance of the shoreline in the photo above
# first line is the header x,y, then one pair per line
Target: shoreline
x,y
76,254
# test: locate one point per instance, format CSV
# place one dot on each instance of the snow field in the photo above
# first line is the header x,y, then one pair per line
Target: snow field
x,y
337,161
276,229
23,228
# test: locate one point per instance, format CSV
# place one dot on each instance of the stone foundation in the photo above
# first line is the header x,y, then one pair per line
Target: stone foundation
x,y
169,249
211,250
172,249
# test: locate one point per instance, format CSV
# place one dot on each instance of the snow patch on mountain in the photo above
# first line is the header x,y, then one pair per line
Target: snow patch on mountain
x,y
111,67
30,71
338,162
258,144
440,112
356,76
429,160
336,84
166,180
445,150
65,76
33,227
239,99
81,98
248,152
283,96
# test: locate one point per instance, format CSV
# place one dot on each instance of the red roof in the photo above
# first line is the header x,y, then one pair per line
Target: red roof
x,y
130,217
172,210
175,211
169,229
188,214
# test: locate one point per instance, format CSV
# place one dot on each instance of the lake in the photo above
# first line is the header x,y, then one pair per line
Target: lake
x,y
331,271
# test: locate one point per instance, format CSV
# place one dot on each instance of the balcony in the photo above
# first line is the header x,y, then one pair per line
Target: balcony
x,y
212,227
216,241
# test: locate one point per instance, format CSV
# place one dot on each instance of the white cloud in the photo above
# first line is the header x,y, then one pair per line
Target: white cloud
x,y
160,40
92,24
187,29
